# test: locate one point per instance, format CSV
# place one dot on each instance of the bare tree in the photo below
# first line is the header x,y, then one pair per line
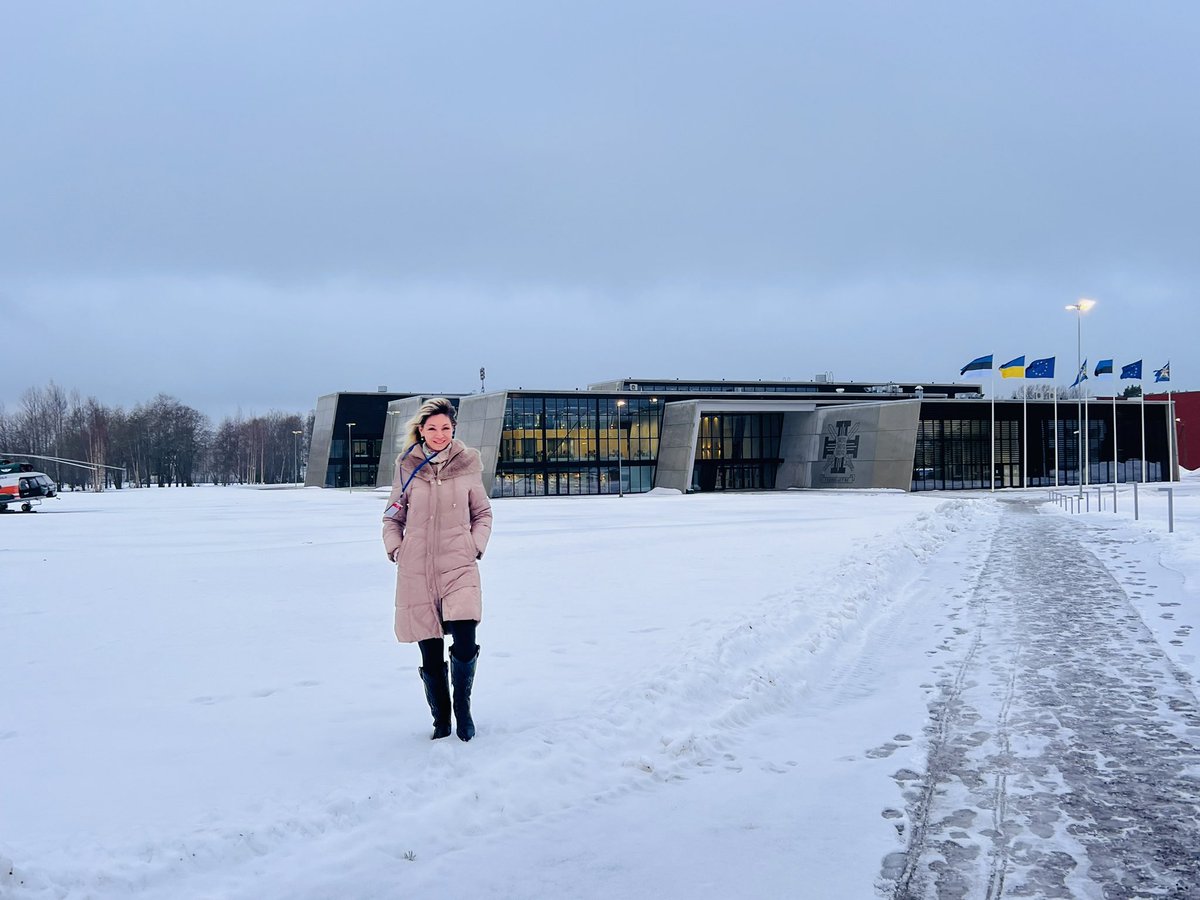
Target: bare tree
x,y
161,441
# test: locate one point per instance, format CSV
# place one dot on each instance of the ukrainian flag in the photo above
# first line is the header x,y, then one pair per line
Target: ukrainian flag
x,y
1014,368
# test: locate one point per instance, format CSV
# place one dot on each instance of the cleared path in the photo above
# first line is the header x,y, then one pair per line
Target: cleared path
x,y
1064,745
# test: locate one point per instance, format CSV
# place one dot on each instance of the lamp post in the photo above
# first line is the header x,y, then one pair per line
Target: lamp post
x,y
296,458
620,482
349,459
1079,308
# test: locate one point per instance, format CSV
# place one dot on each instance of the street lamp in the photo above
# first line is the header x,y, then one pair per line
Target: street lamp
x,y
349,461
620,483
1079,308
296,458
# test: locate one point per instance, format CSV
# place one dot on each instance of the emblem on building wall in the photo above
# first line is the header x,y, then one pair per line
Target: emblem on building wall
x,y
839,450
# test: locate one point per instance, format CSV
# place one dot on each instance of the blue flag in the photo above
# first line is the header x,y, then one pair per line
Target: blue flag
x,y
1163,374
1133,370
982,362
1040,368
1082,376
1104,367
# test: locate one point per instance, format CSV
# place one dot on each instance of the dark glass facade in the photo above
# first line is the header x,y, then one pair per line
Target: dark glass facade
x,y
737,451
577,444
953,452
356,449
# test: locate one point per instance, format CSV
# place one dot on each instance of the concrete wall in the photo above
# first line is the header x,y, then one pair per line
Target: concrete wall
x,y
677,445
796,447
321,442
865,445
480,425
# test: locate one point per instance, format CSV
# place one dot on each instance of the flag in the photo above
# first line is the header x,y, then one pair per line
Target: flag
x,y
983,362
1014,368
1104,367
1133,370
1040,368
1082,376
1163,374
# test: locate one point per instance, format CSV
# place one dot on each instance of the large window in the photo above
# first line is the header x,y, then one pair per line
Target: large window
x,y
952,454
576,444
737,451
1036,447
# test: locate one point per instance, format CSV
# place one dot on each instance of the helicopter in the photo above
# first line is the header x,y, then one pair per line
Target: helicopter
x,y
20,484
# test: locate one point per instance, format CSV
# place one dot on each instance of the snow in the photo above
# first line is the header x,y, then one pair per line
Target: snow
x,y
677,696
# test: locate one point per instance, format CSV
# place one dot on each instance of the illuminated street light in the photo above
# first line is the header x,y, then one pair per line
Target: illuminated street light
x,y
1079,308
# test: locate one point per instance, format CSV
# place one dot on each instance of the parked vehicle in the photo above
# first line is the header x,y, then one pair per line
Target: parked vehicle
x,y
20,484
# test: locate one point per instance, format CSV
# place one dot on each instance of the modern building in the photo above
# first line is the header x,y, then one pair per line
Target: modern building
x,y
347,438
631,435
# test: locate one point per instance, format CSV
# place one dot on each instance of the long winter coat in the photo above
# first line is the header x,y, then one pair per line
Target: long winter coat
x,y
440,524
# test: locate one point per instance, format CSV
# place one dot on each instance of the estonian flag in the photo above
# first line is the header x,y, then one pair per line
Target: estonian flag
x,y
983,362
1133,370
1104,367
1163,374
1082,376
1014,368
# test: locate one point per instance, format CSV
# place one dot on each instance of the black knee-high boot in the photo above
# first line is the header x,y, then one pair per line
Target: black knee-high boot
x,y
437,692
463,675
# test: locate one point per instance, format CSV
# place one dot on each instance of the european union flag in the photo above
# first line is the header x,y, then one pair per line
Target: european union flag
x,y
1104,367
982,362
1040,368
1133,370
1163,374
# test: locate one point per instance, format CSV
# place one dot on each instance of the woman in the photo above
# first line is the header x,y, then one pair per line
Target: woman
x,y
435,528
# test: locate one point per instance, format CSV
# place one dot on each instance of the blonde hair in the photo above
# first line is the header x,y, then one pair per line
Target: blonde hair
x,y
437,406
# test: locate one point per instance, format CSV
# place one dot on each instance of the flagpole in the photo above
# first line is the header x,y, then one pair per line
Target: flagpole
x,y
1087,443
1143,434
1024,431
1172,437
1116,473
992,479
1056,434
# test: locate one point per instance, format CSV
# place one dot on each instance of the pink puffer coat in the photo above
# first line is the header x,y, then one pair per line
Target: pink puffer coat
x,y
441,526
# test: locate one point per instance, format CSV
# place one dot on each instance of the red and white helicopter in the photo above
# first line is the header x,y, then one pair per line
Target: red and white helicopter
x,y
20,484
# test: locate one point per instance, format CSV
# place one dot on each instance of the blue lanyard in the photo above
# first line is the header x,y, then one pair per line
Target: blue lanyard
x,y
427,459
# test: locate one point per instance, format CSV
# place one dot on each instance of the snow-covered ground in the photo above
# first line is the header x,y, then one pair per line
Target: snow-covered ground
x,y
766,695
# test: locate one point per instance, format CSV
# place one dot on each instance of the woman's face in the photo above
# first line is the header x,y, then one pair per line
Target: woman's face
x,y
437,431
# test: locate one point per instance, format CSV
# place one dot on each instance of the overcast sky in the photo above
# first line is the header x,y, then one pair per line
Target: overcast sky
x,y
247,205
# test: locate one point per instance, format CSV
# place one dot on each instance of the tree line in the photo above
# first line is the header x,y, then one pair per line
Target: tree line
x,y
160,442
